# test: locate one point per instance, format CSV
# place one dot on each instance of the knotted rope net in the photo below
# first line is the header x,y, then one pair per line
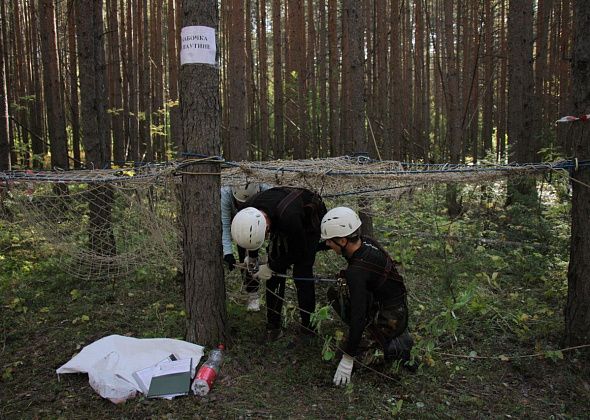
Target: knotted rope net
x,y
110,223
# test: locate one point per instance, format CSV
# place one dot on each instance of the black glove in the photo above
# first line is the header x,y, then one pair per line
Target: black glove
x,y
230,260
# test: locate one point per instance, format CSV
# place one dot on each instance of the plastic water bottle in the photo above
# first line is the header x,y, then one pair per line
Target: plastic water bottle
x,y
208,372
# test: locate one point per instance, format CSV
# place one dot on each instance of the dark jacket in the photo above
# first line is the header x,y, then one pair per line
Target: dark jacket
x,y
374,284
295,215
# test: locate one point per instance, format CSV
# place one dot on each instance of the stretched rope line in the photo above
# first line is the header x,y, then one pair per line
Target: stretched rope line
x,y
506,358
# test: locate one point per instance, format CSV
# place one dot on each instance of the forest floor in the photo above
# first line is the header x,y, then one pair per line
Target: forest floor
x,y
486,316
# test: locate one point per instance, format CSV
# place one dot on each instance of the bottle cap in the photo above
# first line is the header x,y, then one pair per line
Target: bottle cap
x,y
221,347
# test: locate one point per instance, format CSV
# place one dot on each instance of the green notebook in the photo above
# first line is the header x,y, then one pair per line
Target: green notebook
x,y
172,379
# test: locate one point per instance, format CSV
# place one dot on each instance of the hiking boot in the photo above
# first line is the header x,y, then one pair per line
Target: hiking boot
x,y
274,334
253,302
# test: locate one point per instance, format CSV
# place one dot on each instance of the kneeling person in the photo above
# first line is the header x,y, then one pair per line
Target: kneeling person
x,y
376,298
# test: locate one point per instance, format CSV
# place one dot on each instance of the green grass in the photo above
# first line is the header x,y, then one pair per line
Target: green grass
x,y
498,302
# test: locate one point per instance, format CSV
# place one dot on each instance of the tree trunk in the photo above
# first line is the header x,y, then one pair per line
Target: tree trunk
x,y
238,137
37,110
324,145
73,75
577,311
393,144
145,106
263,80
90,31
56,121
488,79
5,162
452,101
200,199
279,101
173,61
521,107
115,94
335,144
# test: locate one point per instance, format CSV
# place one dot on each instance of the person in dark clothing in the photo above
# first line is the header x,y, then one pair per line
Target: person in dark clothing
x,y
291,216
374,295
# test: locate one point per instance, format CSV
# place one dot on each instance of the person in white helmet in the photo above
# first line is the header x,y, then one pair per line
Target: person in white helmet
x,y
291,217
232,200
374,295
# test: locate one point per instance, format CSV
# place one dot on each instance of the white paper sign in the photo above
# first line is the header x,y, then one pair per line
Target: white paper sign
x,y
197,45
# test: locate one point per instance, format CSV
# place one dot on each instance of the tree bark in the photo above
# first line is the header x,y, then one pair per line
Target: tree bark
x,y
263,80
577,312
56,121
73,75
238,138
173,62
335,144
90,31
521,108
200,199
5,161
115,93
279,101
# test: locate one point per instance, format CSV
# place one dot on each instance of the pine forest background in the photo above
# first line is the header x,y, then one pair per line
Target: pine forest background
x,y
441,81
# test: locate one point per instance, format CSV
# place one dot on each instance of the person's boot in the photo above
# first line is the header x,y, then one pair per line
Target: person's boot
x,y
253,302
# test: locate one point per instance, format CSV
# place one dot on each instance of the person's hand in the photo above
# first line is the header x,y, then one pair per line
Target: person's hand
x,y
230,260
342,375
264,273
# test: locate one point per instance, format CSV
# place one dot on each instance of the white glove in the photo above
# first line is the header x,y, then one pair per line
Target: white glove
x,y
264,273
342,375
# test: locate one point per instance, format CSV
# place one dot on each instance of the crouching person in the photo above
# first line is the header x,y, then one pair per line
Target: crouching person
x,y
374,295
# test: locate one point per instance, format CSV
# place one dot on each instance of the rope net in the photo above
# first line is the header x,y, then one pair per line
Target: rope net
x,y
110,223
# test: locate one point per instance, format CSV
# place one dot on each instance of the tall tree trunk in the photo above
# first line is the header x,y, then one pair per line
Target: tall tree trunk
x,y
521,107
56,121
393,145
263,80
541,58
173,62
335,143
279,101
115,93
453,104
502,82
577,311
205,286
238,136
145,105
90,31
564,75
346,140
488,79
5,161
73,75
310,88
379,127
36,109
133,38
322,78
252,125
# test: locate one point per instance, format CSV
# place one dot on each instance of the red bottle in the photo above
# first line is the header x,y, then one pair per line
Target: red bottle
x,y
208,372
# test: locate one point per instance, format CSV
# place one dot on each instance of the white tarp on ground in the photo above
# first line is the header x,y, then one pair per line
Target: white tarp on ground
x,y
111,361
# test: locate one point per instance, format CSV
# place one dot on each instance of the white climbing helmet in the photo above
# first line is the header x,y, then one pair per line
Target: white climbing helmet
x,y
339,222
248,228
243,192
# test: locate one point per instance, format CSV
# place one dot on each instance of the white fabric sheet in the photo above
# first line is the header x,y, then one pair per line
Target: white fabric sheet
x,y
111,361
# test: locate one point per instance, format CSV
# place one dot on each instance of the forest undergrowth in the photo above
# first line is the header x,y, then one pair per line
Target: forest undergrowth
x,y
487,291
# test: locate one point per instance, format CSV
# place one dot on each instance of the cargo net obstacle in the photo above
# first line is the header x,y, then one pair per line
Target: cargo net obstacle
x,y
107,224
